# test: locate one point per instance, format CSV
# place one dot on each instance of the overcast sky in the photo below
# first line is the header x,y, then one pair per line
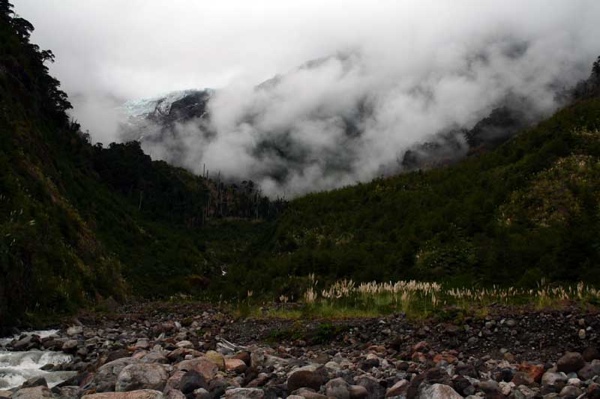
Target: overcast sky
x,y
111,51
129,49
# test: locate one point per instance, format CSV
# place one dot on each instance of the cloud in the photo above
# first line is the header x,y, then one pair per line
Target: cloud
x,y
389,74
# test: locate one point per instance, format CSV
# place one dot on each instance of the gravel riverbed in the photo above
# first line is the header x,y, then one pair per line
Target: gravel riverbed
x,y
191,350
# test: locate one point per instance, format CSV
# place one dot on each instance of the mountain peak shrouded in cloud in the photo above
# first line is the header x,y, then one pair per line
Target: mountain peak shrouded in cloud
x,y
342,119
416,72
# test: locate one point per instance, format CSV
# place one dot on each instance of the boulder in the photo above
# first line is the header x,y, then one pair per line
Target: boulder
x,y
216,358
553,378
438,391
570,362
590,370
590,353
106,376
337,388
141,376
305,379
358,392
235,365
191,381
38,392
398,389
204,366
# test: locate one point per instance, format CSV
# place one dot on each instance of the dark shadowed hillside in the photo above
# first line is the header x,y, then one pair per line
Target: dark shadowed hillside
x,y
78,222
527,211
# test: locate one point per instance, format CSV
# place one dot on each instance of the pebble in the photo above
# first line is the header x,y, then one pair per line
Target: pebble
x,y
155,355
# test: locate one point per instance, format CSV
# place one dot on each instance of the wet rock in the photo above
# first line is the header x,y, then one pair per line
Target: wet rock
x,y
74,330
244,393
141,394
27,342
141,376
35,382
570,362
305,379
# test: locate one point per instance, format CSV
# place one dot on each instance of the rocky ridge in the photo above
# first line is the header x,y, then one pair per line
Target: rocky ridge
x,y
198,351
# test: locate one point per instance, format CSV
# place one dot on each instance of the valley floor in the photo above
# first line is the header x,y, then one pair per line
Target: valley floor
x,y
197,350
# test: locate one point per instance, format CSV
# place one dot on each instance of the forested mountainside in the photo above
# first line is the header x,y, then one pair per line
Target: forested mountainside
x,y
78,222
82,222
527,211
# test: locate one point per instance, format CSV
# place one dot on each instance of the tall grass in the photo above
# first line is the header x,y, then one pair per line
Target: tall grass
x,y
418,299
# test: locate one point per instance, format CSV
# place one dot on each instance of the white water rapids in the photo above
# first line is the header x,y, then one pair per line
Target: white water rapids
x,y
18,367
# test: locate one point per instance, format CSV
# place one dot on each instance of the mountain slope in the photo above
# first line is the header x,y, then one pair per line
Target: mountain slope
x,y
79,223
526,211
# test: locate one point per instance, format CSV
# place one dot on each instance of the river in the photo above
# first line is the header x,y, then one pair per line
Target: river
x,y
18,367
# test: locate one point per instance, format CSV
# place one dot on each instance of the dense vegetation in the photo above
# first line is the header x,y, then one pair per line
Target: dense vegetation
x,y
78,222
526,211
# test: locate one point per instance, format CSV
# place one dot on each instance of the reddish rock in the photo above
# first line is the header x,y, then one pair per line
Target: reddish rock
x,y
243,356
446,357
418,357
235,365
204,366
421,347
533,371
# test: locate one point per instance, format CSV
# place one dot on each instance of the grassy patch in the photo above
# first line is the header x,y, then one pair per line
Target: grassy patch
x,y
417,300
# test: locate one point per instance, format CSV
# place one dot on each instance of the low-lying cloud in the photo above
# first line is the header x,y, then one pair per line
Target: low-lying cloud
x,y
393,74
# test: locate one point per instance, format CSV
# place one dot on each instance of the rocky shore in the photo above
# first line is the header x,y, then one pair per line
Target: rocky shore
x,y
177,351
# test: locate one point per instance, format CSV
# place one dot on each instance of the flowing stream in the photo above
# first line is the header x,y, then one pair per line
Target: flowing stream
x,y
18,367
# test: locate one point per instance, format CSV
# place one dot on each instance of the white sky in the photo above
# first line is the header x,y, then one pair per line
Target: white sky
x,y
111,51
138,48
